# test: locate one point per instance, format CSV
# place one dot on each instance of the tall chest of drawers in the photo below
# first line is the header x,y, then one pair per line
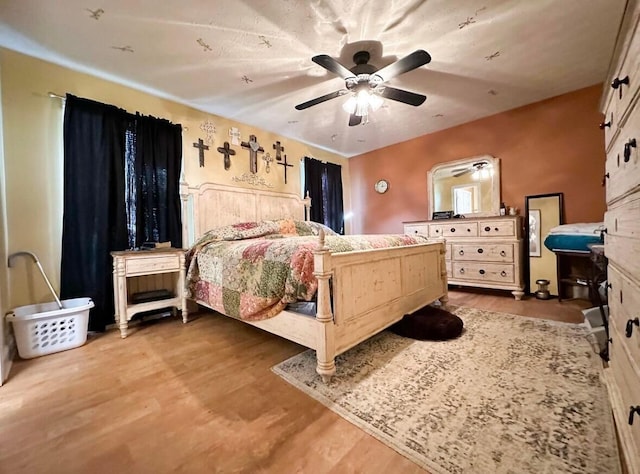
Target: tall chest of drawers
x,y
621,107
482,252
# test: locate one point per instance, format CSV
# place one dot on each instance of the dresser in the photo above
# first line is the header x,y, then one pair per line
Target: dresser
x,y
484,252
147,271
621,108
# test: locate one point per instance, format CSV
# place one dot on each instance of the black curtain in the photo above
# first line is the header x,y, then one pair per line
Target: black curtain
x,y
157,159
323,183
332,203
313,171
94,220
121,188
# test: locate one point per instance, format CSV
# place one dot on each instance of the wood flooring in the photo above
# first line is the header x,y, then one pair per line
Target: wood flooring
x,y
192,398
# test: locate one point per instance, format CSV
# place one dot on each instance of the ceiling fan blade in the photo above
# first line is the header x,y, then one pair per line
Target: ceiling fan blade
x,y
400,95
332,65
319,100
408,63
355,120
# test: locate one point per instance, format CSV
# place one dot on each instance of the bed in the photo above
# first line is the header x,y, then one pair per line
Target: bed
x,y
359,293
574,238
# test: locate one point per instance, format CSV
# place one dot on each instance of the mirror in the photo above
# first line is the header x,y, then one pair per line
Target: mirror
x,y
542,213
470,187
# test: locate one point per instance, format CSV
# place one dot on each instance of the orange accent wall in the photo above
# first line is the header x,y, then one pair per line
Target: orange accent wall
x,y
546,147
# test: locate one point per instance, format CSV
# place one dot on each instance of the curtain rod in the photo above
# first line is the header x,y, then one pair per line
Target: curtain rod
x,y
53,95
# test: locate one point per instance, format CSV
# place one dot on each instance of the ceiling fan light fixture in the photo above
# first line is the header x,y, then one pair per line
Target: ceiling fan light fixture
x,y
362,102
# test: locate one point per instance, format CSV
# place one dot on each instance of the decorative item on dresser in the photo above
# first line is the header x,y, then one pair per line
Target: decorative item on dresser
x,y
484,252
147,272
622,241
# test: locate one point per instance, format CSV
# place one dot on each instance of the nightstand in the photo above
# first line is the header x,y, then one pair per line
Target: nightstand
x,y
144,270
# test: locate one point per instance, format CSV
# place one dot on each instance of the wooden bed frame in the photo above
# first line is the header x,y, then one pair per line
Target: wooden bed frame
x,y
372,289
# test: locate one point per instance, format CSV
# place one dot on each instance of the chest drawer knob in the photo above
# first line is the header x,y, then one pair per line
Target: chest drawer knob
x,y
482,272
630,323
461,252
604,124
632,411
604,179
462,271
503,273
453,229
487,229
480,251
617,82
503,253
627,149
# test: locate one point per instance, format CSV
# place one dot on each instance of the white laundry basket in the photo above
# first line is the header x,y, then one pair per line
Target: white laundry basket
x,y
45,328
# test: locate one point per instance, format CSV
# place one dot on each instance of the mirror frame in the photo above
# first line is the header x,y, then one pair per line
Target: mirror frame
x,y
495,185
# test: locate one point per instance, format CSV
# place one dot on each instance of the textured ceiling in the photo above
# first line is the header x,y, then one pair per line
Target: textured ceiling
x,y
251,60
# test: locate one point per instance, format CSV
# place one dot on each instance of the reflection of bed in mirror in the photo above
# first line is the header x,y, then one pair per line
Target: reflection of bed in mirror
x,y
359,293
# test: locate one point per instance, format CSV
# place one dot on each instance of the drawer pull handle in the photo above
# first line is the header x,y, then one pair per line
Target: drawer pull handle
x,y
437,231
627,149
487,229
462,271
468,230
503,253
480,250
629,329
453,229
503,273
632,411
496,229
604,124
461,252
482,272
617,82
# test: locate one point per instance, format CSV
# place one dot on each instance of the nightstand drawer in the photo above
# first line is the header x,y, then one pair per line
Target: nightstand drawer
x,y
152,264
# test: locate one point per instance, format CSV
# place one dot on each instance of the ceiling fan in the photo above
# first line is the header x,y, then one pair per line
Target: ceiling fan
x,y
469,169
366,85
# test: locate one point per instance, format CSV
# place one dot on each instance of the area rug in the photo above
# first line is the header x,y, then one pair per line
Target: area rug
x,y
510,395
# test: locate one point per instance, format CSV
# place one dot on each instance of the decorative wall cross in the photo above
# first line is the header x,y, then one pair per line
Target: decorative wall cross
x,y
268,159
227,152
286,165
254,147
279,149
201,148
234,133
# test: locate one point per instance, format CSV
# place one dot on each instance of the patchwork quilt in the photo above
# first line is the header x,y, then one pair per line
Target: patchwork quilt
x,y
253,270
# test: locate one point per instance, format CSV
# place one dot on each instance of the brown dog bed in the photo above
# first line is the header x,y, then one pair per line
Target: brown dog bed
x,y
429,323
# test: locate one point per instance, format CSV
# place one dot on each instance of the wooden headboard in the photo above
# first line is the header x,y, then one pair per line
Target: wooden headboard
x,y
212,205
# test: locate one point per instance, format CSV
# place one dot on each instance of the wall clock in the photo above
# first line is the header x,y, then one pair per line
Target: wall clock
x,y
381,186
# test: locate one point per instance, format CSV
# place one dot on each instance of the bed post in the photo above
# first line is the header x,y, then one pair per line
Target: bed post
x,y
186,218
443,272
307,207
325,347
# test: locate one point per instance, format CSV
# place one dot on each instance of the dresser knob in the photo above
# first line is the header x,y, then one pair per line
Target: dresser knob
x,y
462,271
629,329
482,272
627,149
632,411
503,273
480,250
487,229
503,253
453,229
461,252
617,82
604,124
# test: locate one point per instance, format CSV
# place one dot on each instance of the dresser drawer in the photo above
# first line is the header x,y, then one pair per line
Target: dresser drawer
x,y
416,229
154,264
502,228
624,219
624,306
483,252
485,272
627,379
454,229
622,168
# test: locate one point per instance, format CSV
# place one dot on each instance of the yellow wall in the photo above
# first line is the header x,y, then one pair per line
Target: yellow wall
x,y
34,163
544,267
